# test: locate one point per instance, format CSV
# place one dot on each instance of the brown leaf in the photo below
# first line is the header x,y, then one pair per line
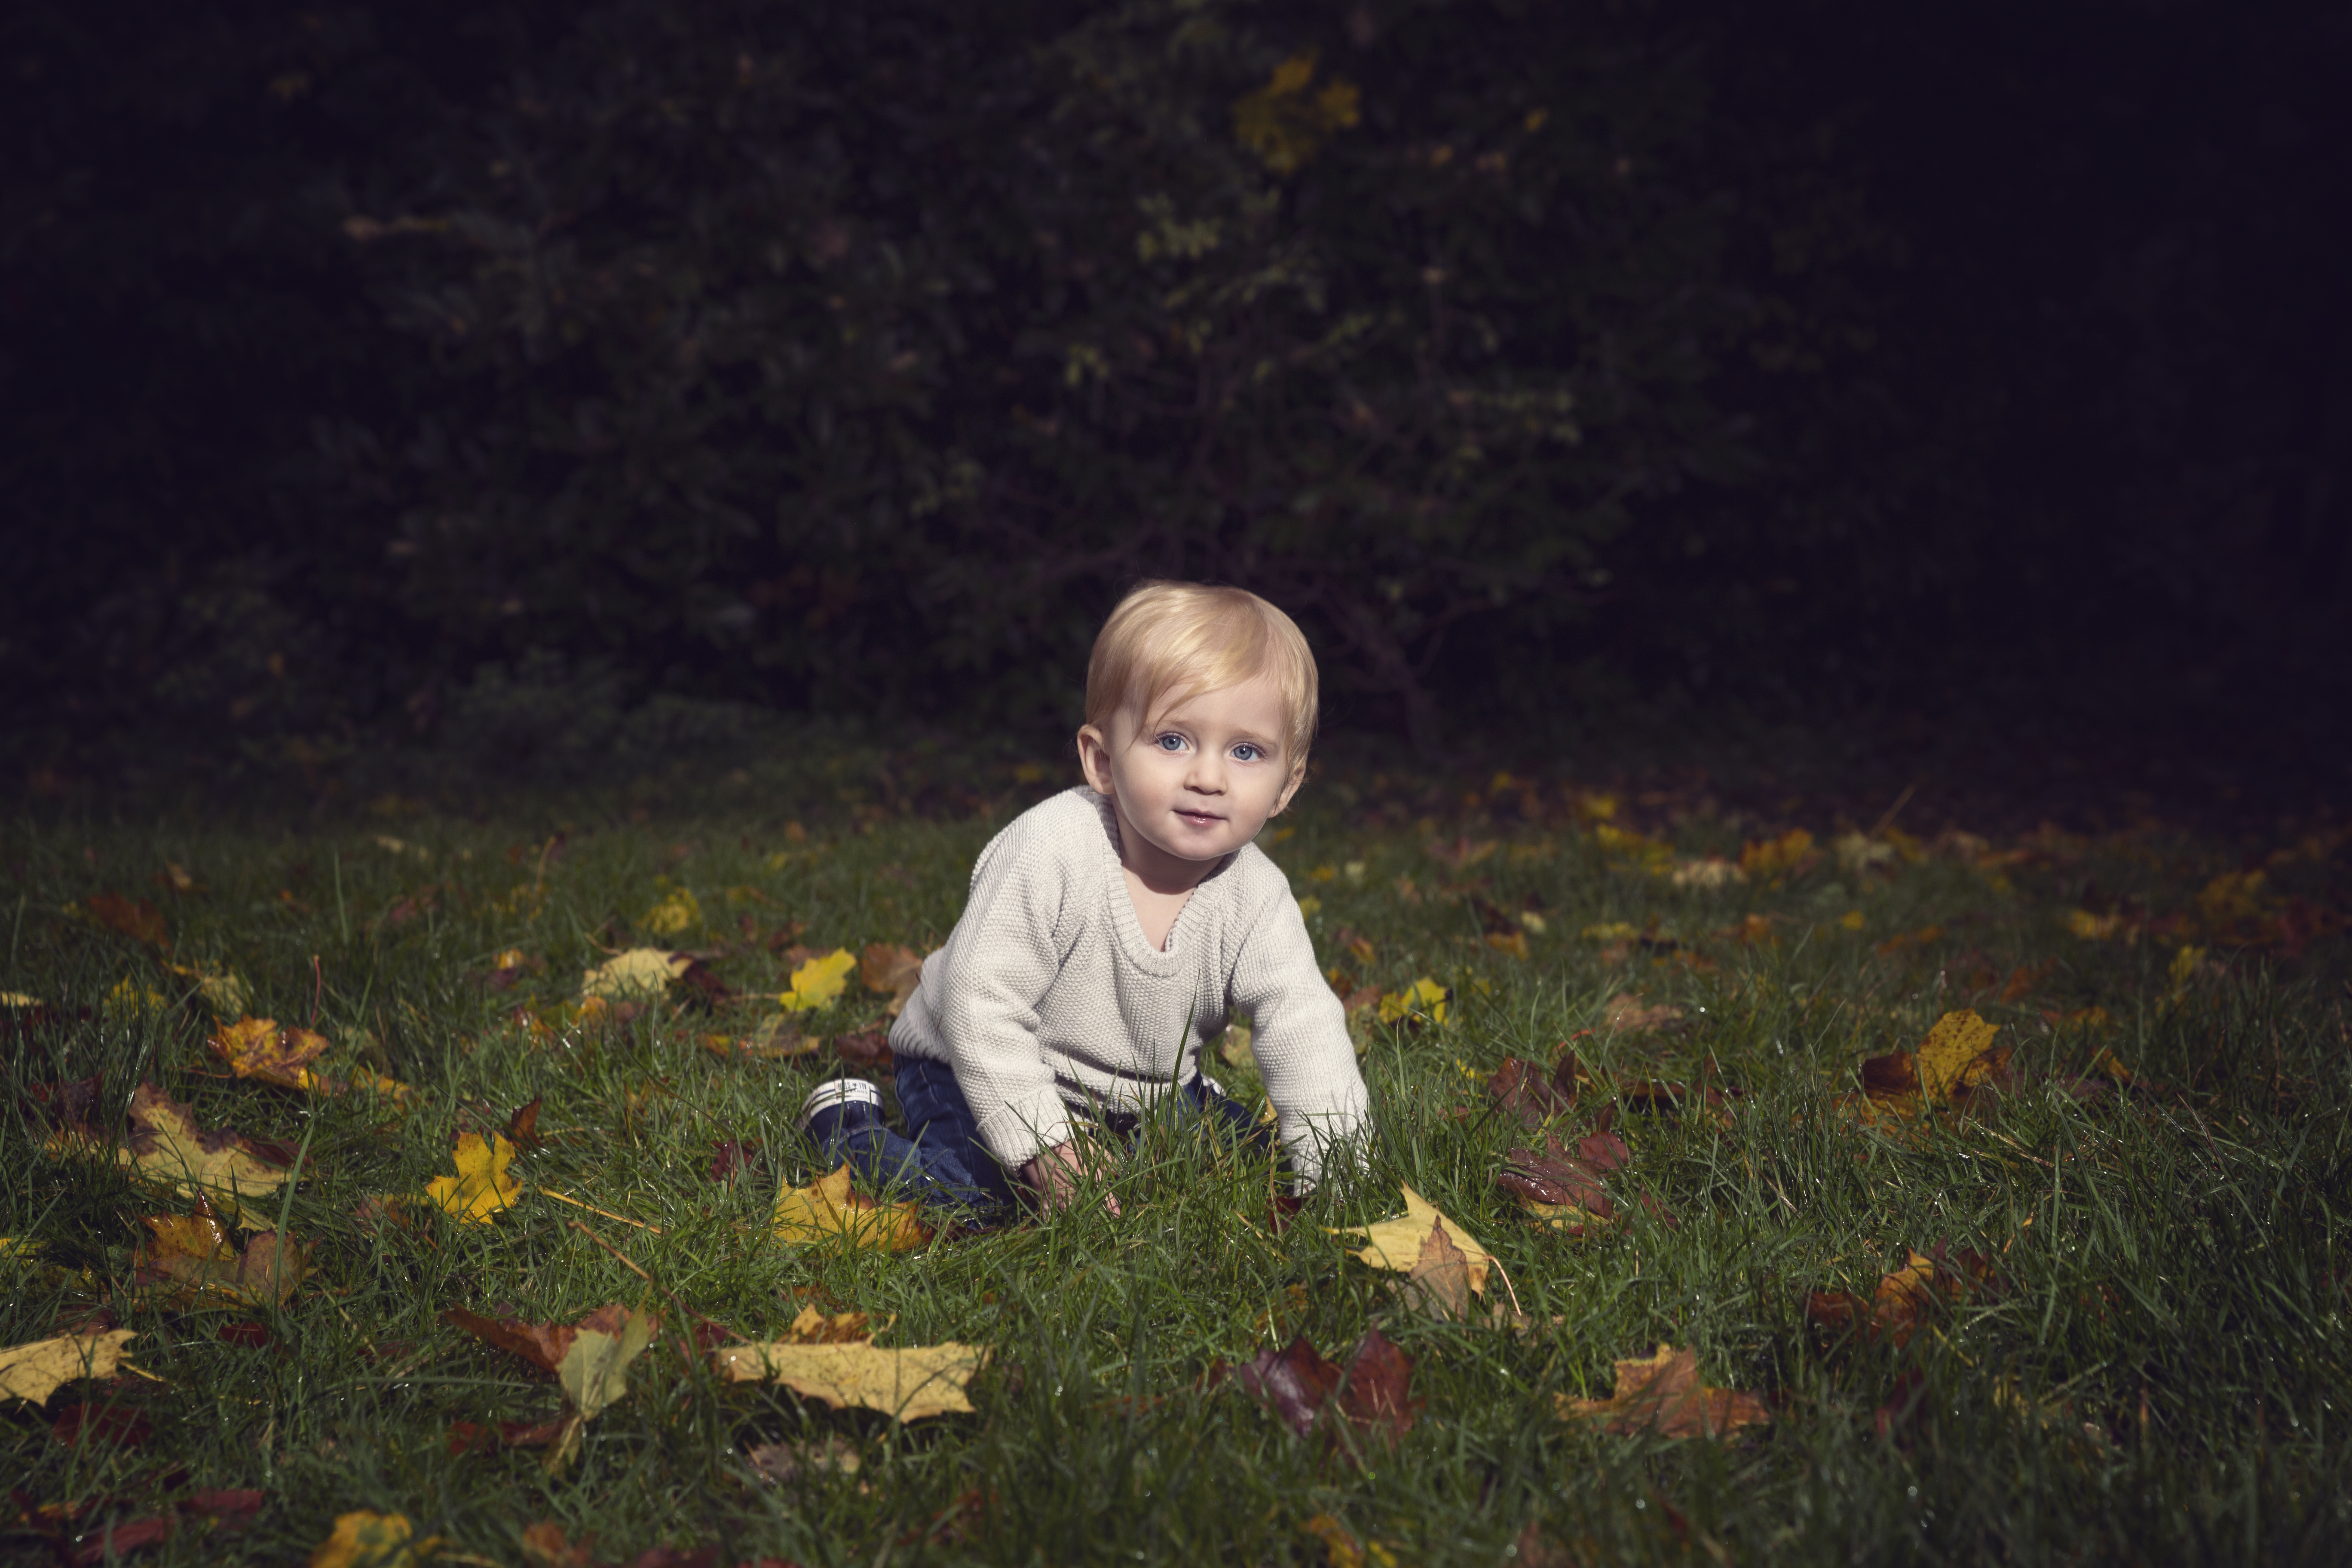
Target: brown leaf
x,y
1626,1016
891,971
542,1344
1663,1393
779,1463
1378,1393
522,1127
259,1048
1566,1190
1925,1285
66,1108
101,1424
868,1051
1439,1283
1521,1090
731,1159
134,918
190,1259
246,1336
1295,1383
471,1437
544,1545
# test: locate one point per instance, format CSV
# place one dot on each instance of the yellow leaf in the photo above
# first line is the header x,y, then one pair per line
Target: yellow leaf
x,y
1423,998
259,1048
2093,928
831,1207
1851,919
909,1385
33,1372
1309,907
481,1186
373,1540
18,999
678,912
1662,1393
191,1261
168,1149
594,1370
1395,1244
224,993
638,972
819,981
129,998
1949,1053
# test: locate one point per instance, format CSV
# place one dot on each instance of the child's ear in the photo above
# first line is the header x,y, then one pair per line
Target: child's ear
x,y
1298,777
1094,756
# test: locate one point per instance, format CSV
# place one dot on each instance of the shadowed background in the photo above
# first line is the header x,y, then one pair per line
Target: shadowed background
x,y
473,377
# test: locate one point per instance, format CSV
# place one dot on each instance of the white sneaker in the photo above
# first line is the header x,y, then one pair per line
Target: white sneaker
x,y
838,1094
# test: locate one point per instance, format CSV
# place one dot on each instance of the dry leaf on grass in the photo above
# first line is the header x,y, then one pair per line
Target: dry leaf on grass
x,y
34,1372
589,1359
481,1186
365,1540
1663,1393
1954,1063
819,981
190,1259
909,1383
831,1207
134,918
779,1463
639,975
1561,1189
770,1039
1439,1283
892,971
167,1149
257,1049
1374,1392
1624,1015
1395,1244
1925,1284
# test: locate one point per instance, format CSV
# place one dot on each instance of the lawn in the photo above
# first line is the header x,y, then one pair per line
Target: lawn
x,y
2066,1283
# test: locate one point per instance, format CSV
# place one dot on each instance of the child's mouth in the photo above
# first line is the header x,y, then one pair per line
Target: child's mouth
x,y
1199,818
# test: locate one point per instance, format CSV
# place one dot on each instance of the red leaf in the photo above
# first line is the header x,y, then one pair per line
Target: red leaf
x,y
230,1503
1378,1395
731,1159
1294,1381
522,1127
542,1344
80,1424
129,1536
246,1336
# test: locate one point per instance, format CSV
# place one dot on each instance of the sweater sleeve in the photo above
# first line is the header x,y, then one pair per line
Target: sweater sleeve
x,y
994,971
1298,1032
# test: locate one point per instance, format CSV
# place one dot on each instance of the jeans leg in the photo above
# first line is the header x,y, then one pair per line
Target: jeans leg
x,y
943,1159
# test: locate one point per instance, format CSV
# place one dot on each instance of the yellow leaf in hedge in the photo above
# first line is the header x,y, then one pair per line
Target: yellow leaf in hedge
x,y
678,912
1395,1244
908,1383
33,1372
1952,1046
831,1207
373,1540
481,1186
820,981
641,971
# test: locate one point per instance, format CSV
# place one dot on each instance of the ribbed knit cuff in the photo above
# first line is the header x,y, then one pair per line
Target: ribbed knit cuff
x,y
1020,1132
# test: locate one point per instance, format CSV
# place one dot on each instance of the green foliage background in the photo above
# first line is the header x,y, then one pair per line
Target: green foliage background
x,y
364,365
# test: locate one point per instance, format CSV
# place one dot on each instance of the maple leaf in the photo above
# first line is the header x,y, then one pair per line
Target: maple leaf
x,y
1372,1392
831,1207
166,1148
1957,1059
910,1384
641,972
134,918
365,1540
224,991
1395,1244
1439,1283
1424,999
819,981
1922,1286
481,1186
190,1259
257,1049
1565,1190
891,971
1662,1393
34,1372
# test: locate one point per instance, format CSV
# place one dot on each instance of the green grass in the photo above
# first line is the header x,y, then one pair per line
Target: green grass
x,y
2156,1379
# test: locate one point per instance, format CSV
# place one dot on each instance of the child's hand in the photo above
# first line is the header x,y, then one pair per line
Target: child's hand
x,y
1054,1176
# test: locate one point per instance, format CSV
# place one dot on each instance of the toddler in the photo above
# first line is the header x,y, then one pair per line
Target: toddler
x,y
1112,929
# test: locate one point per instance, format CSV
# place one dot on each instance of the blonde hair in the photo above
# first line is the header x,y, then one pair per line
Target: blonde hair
x,y
1168,641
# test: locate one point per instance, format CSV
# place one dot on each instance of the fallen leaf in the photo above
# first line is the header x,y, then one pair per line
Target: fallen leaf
x,y
1395,1244
1439,1285
811,1327
1625,1015
1522,1089
773,1039
819,981
595,1367
87,1424
1955,1054
224,991
33,1372
1564,1190
1710,873
1792,852
778,1463
522,1126
366,1539
676,914
909,1383
891,971
831,1207
1376,1395
1374,1390
1662,1393
259,1049
730,1159
134,918
481,1186
190,1259
166,1148
1925,1284
1424,999
1294,1381
642,972
544,1545
473,1438
1956,1060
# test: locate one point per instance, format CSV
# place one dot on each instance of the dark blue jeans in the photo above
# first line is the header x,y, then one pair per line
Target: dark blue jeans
x,y
942,1162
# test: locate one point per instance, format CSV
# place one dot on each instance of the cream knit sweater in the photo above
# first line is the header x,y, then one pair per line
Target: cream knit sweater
x,y
1046,996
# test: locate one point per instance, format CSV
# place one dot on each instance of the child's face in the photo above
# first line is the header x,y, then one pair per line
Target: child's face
x,y
1201,779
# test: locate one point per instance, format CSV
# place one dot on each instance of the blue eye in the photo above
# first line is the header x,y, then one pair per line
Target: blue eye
x,y
1246,753
1170,742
